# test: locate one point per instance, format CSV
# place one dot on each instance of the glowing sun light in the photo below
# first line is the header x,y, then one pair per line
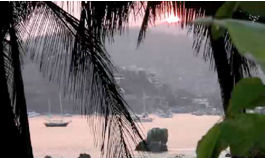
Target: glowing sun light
x,y
172,19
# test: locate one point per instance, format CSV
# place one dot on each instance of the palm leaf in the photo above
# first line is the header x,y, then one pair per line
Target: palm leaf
x,y
19,100
75,57
12,87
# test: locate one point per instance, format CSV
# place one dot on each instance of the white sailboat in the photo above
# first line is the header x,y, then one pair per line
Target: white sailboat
x,y
56,122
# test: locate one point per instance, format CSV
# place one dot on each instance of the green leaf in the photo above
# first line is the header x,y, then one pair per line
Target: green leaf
x,y
228,8
247,94
248,37
245,135
225,11
210,145
205,21
253,7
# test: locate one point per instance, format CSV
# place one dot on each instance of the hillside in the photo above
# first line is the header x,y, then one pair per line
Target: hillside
x,y
165,52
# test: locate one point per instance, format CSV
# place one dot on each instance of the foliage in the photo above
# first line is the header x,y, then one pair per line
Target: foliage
x,y
220,51
74,57
239,31
209,146
242,132
254,8
248,93
247,36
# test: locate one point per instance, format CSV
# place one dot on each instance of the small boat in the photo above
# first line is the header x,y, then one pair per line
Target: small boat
x,y
67,115
145,118
142,118
198,113
165,114
56,122
32,114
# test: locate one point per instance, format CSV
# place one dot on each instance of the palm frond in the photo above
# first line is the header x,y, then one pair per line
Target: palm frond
x,y
106,18
19,100
223,57
186,11
144,23
73,55
12,93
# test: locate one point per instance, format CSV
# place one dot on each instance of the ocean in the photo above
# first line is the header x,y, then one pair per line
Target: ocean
x,y
184,131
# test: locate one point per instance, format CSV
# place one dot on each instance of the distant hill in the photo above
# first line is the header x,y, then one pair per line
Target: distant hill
x,y
166,51
169,55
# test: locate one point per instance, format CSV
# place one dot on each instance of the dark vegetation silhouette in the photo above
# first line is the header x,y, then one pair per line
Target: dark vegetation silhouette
x,y
75,58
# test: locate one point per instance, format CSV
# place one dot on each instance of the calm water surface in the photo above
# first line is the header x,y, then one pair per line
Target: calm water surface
x,y
68,142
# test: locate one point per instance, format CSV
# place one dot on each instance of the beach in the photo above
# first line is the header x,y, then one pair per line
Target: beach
x,y
184,131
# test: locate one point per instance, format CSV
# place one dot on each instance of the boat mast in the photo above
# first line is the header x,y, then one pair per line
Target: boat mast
x,y
49,108
144,101
61,106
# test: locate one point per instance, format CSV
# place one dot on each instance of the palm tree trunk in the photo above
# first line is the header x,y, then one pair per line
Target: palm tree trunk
x,y
20,102
229,69
15,136
21,108
223,69
9,132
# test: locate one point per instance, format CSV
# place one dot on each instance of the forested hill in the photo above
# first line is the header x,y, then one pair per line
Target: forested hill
x,y
170,55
